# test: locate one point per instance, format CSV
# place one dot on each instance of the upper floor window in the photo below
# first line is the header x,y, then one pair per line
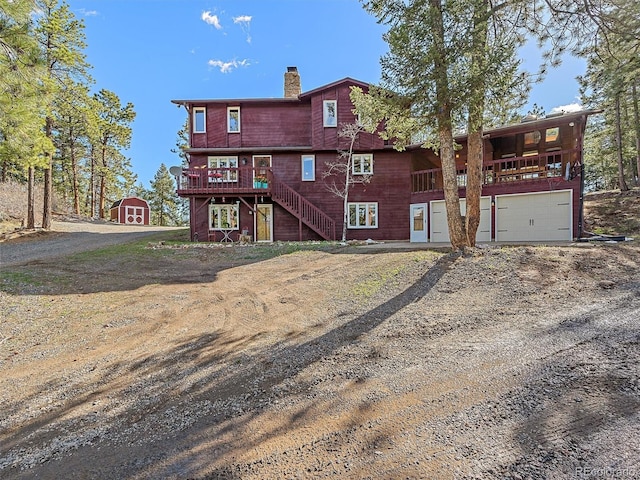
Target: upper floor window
x,y
362,164
308,168
233,119
199,120
552,135
330,113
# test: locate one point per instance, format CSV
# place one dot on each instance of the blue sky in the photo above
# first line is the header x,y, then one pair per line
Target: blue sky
x,y
149,52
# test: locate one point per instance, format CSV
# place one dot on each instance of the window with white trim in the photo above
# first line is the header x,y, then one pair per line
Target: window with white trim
x,y
233,119
363,215
222,169
308,168
330,113
223,216
362,164
199,119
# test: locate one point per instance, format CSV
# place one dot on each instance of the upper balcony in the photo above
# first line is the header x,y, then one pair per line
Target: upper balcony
x,y
533,168
225,181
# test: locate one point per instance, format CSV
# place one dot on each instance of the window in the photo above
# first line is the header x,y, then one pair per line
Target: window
x,y
532,138
199,120
552,135
223,217
233,119
363,215
222,169
330,113
362,164
308,168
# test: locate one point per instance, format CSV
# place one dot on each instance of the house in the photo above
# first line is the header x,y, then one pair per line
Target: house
x,y
256,167
130,211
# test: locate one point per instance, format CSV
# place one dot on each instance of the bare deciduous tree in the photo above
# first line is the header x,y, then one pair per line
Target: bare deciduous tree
x,y
338,175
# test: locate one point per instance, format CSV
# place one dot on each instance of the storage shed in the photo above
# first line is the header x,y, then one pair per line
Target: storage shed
x,y
130,211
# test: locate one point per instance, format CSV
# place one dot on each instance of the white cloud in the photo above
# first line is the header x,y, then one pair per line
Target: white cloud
x,y
245,23
572,107
242,19
88,13
227,67
211,19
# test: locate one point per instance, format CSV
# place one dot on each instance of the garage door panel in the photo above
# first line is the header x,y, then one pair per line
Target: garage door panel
x,y
439,231
534,216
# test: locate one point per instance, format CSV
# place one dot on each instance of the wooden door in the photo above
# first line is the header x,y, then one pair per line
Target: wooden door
x,y
264,223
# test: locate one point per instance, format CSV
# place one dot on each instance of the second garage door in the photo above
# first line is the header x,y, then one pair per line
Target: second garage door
x,y
439,231
534,216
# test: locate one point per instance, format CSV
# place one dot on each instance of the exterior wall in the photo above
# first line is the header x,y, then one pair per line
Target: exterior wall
x,y
507,188
261,125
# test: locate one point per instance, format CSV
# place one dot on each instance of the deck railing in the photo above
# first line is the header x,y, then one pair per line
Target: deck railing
x,y
218,181
529,168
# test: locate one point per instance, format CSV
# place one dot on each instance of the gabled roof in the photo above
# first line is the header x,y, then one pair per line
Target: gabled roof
x,y
302,96
346,80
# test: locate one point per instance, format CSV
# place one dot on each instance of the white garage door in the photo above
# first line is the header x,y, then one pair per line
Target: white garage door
x,y
534,216
439,231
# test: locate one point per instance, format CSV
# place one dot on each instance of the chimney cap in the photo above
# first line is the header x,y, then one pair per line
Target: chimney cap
x,y
292,69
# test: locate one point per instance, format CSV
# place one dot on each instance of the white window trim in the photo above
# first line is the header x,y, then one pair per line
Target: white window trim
x,y
313,167
227,175
224,206
357,158
367,206
202,110
229,110
325,113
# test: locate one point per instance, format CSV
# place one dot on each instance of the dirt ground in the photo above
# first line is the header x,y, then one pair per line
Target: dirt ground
x,y
248,362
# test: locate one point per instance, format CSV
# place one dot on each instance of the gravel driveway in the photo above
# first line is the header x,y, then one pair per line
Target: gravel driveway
x,y
68,237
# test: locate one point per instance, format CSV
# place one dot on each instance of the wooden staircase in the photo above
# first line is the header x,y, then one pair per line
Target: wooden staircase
x,y
302,209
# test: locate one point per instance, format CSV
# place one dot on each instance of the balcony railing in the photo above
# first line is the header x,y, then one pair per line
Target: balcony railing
x,y
514,169
219,181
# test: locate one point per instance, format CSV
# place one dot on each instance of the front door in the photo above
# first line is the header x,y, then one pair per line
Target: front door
x,y
264,223
418,220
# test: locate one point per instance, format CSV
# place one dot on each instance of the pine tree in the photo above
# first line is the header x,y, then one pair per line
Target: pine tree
x,y
61,39
162,198
113,132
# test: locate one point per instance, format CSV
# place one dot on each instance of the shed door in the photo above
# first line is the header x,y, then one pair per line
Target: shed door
x,y
134,215
534,217
440,229
418,221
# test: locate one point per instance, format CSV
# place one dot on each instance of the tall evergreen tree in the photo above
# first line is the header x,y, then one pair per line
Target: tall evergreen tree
x,y
113,133
444,60
22,143
61,38
162,198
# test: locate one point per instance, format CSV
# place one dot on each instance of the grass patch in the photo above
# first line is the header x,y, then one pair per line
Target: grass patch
x,y
16,282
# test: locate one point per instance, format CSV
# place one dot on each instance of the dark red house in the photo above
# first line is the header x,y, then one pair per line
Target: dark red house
x,y
130,211
256,165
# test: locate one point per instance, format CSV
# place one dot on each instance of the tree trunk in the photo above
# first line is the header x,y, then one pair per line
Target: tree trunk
x,y
92,185
74,182
636,122
621,181
48,183
31,219
475,154
445,132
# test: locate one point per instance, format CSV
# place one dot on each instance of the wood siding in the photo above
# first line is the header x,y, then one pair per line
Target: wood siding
x,y
286,129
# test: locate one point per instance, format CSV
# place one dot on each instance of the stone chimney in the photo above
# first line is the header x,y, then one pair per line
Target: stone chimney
x,y
292,83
